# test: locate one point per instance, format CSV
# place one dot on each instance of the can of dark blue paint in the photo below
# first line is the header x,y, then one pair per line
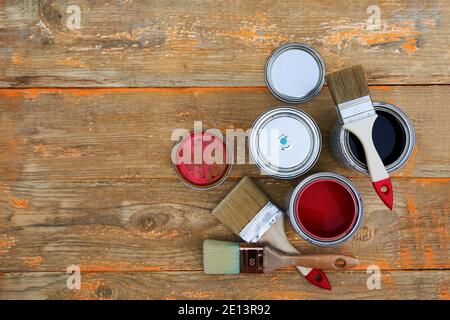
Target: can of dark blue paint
x,y
393,136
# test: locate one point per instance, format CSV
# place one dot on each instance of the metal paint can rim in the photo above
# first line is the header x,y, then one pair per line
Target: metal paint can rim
x,y
294,46
215,183
306,235
404,121
309,160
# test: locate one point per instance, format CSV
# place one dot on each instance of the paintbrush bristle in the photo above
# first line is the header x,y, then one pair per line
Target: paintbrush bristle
x,y
347,84
221,257
240,205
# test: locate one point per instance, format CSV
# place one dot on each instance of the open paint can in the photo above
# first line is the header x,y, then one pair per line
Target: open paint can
x,y
202,159
284,142
295,73
326,209
393,137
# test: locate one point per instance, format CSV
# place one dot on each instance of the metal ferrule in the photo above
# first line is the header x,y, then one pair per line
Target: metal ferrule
x,y
260,223
356,109
251,258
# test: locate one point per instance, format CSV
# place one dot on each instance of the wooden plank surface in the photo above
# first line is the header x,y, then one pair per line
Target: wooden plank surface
x,y
213,43
195,285
72,134
159,225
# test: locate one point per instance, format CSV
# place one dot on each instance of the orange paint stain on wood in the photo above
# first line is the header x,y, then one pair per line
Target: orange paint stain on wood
x,y
88,288
387,280
70,62
284,295
410,45
200,295
441,232
159,234
342,35
32,93
116,266
10,158
7,242
383,88
429,257
4,188
32,261
70,153
404,259
433,180
443,290
414,221
411,207
382,264
17,59
42,149
59,152
90,285
19,203
409,167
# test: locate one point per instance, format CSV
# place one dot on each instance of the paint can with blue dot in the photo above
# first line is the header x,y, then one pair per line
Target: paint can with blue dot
x,y
284,142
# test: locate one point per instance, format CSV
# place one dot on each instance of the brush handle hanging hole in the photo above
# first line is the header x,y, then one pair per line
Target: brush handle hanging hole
x,y
384,188
340,263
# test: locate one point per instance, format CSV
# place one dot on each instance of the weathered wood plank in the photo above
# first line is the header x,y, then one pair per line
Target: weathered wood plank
x,y
195,285
211,43
104,134
160,225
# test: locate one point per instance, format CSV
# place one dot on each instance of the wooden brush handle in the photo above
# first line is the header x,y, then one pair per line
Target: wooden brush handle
x,y
276,237
362,129
324,261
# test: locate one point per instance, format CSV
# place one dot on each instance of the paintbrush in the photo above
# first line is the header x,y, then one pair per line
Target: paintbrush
x,y
249,213
222,257
350,94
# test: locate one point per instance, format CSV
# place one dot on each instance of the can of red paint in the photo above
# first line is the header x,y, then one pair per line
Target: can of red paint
x,y
202,159
325,209
284,142
393,136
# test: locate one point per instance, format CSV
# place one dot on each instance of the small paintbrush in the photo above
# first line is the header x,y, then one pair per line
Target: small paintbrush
x,y
350,94
222,257
249,213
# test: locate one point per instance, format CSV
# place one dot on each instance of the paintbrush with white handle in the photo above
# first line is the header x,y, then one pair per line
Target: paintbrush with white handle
x,y
350,94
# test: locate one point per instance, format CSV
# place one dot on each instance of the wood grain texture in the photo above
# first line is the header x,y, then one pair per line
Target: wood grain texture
x,y
159,225
195,285
101,134
211,43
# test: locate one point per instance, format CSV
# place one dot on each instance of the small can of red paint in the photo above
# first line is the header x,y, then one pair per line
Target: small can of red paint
x,y
326,209
393,136
202,159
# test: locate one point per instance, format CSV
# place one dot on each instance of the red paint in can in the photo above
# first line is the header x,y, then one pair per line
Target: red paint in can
x,y
326,209
210,167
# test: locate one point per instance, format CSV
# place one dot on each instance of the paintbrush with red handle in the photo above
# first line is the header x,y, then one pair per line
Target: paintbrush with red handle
x,y
249,213
351,96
